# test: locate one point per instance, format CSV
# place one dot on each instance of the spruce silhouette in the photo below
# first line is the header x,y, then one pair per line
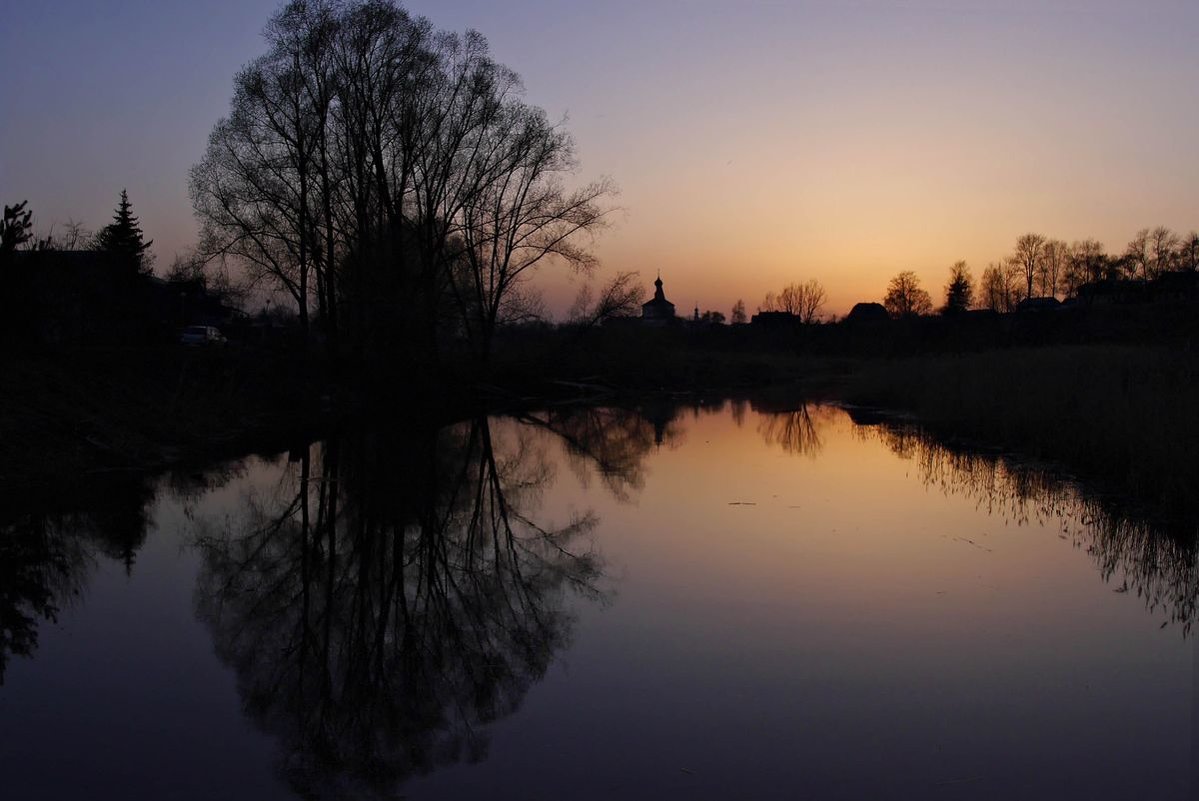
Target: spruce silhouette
x,y
959,292
123,235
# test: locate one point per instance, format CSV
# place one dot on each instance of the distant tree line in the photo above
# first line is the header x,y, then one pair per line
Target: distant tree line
x,y
1040,267
391,180
122,237
803,300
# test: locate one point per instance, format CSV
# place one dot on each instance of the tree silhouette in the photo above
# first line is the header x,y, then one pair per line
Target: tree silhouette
x,y
1188,252
123,236
620,297
1030,251
385,165
802,300
15,227
1086,263
1163,249
1052,268
906,298
739,316
959,292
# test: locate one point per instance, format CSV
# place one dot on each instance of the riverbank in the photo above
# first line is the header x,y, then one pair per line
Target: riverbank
x,y
112,411
121,410
1122,417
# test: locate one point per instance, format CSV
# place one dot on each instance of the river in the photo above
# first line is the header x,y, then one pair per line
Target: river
x,y
708,601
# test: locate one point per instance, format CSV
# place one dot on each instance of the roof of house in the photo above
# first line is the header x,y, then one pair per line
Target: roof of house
x,y
867,312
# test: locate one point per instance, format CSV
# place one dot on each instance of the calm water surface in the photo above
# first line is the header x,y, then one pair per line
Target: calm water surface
x,y
714,602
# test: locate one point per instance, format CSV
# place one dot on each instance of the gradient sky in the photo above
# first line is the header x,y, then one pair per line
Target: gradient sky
x,y
755,143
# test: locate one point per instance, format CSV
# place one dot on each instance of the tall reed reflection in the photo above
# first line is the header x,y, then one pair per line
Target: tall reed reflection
x,y
1155,560
397,593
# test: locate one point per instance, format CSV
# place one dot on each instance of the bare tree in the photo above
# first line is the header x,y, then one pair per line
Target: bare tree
x,y
522,216
1000,286
620,297
1137,257
811,301
187,267
1188,252
1086,264
392,174
1030,250
906,298
1163,250
1052,268
739,317
252,191
193,267
803,300
75,236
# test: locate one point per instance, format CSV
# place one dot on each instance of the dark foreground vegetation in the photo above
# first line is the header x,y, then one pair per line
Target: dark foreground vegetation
x,y
102,411
1123,416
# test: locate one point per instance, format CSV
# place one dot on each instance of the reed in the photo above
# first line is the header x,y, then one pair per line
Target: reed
x,y
1125,416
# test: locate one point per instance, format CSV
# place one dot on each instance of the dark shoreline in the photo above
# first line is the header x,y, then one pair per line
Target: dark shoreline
x,y
1122,419
1125,428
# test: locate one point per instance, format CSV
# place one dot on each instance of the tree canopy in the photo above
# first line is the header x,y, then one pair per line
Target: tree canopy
x,y
906,298
802,300
959,292
391,178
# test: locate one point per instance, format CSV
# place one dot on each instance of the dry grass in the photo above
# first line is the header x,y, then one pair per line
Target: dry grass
x,y
127,410
1126,416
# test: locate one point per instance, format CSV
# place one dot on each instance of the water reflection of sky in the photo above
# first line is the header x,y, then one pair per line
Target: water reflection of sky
x,y
788,605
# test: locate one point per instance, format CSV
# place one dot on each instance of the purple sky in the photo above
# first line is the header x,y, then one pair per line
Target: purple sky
x,y
756,143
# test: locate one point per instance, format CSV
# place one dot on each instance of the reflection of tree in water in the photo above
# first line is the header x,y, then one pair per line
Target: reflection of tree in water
x,y
40,569
118,525
738,407
795,427
611,441
48,547
188,486
395,596
1155,560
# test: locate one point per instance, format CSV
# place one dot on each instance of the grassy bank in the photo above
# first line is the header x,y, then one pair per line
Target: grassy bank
x,y
1125,417
1122,416
651,361
129,410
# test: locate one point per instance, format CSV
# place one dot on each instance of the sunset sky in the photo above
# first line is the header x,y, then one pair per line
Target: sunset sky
x,y
755,143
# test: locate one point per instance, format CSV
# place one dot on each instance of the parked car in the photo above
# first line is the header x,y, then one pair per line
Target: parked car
x,y
201,335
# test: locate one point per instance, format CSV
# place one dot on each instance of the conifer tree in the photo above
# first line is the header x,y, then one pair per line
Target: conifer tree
x,y
124,236
959,292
